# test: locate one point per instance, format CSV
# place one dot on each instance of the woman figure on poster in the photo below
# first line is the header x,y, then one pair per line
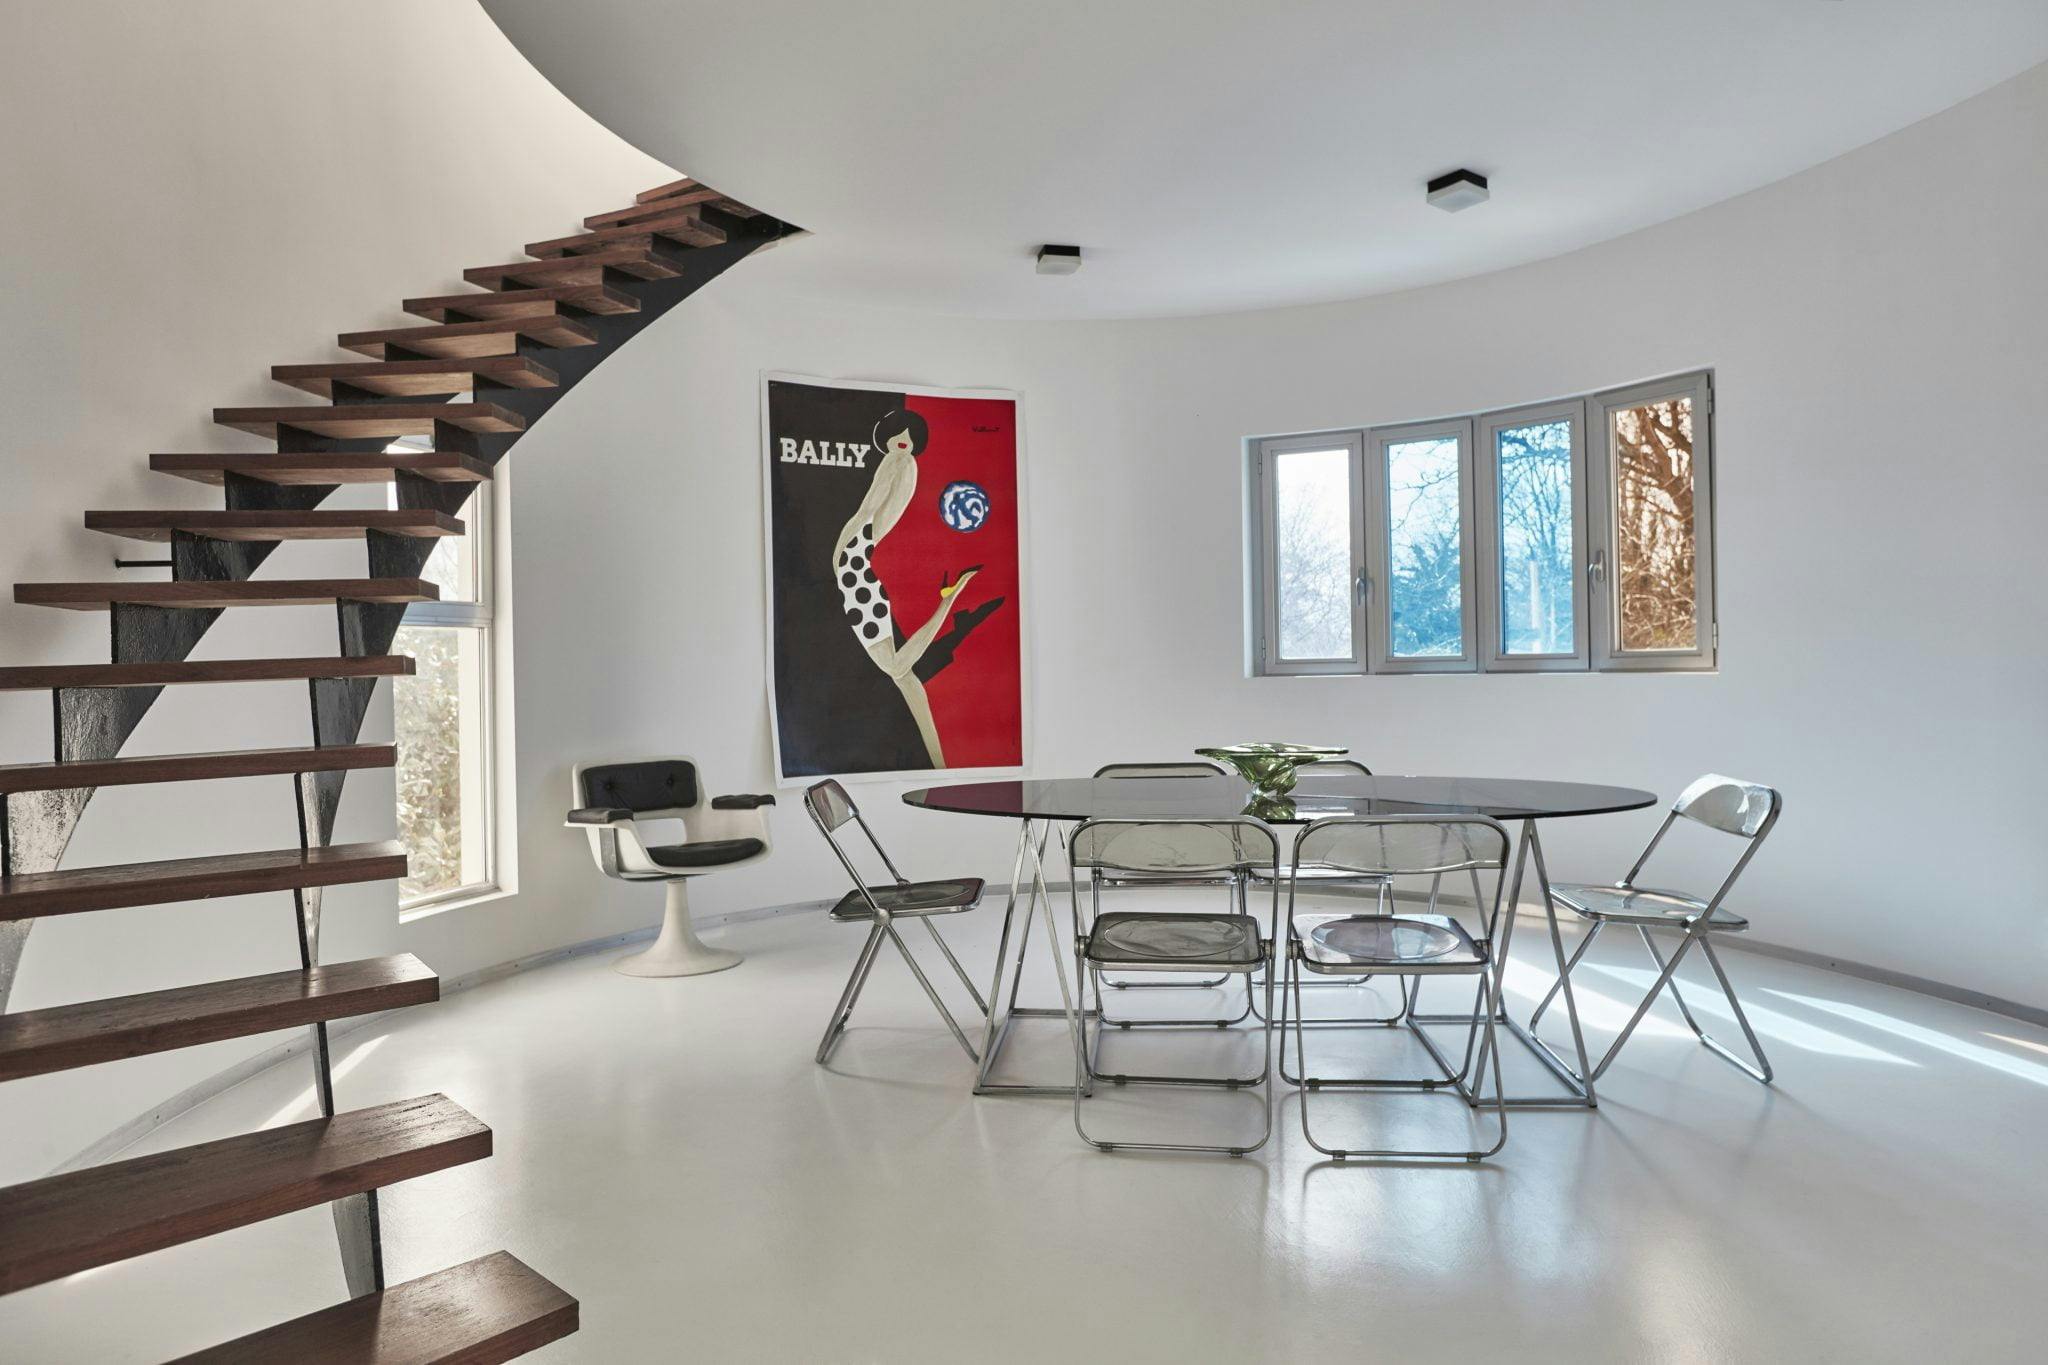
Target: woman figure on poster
x,y
899,438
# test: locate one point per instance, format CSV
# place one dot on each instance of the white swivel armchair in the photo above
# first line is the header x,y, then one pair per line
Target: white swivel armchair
x,y
719,834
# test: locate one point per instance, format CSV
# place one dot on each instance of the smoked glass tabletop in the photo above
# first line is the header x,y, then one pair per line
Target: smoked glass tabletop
x,y
1318,796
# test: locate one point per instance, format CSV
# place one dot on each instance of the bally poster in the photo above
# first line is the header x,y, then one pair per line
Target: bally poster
x,y
895,635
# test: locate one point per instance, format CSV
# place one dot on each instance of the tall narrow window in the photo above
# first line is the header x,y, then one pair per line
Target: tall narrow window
x,y
1422,612
1310,497
1312,548
1654,527
1533,537
442,723
1657,504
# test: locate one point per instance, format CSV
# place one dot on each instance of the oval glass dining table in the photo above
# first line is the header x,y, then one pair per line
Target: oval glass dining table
x,y
1040,804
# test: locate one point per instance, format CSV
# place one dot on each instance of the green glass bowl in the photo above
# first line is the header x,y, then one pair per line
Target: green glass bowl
x,y
1270,767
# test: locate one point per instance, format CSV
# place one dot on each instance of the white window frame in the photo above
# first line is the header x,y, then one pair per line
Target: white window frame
x,y
478,614
1608,655
1493,655
1379,532
1595,625
1265,562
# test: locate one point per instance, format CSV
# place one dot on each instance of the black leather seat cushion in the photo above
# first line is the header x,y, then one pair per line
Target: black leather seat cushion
x,y
706,852
658,784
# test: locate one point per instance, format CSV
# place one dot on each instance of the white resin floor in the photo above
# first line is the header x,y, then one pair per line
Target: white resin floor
x,y
668,1152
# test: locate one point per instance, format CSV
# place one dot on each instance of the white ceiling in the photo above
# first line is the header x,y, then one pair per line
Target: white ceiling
x,y
1211,155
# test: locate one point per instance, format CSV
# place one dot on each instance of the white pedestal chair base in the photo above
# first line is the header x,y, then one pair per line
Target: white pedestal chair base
x,y
677,951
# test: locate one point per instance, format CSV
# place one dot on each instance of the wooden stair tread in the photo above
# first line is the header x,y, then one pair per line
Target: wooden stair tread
x,y
309,524
66,1223
412,378
591,298
442,466
66,891
33,1042
36,677
270,592
653,208
678,225
386,420
686,185
641,262
546,325
134,769
482,1312
640,213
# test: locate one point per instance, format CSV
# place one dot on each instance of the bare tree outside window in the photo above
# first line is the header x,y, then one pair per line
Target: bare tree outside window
x,y
441,723
1654,532
1312,552
427,715
1425,550
1534,466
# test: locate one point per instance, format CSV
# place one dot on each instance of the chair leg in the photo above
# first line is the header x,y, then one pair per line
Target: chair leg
x,y
1487,1004
1762,1072
1103,1026
1664,978
937,1003
1086,1073
1570,963
1759,1071
958,970
1296,1077
1500,1090
1677,996
1085,1055
843,1011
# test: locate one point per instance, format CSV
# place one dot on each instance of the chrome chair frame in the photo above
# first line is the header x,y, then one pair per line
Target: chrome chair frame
x,y
1186,768
1348,765
1705,802
1464,1079
1408,1015
882,924
1086,1059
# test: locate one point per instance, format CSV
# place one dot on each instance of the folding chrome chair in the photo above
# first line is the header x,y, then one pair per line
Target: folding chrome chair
x,y
880,906
1732,806
1409,946
1330,878
1191,768
1230,943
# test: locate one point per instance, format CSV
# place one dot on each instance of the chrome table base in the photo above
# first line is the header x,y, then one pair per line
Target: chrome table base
x,y
1029,898
1576,1083
1035,899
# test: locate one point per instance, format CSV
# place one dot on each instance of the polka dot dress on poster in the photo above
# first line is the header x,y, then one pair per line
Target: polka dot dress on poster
x,y
860,592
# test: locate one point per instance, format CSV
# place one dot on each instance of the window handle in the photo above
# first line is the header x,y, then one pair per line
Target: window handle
x,y
1596,566
1362,585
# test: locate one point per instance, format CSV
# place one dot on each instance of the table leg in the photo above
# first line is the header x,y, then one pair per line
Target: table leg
x,y
1579,1090
1027,885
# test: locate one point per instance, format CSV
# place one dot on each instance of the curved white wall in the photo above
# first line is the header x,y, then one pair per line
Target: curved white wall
x,y
1875,326
201,192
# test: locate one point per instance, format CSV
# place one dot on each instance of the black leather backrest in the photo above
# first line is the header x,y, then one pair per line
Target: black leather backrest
x,y
655,785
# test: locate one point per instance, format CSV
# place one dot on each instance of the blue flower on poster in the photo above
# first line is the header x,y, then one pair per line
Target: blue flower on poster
x,y
964,506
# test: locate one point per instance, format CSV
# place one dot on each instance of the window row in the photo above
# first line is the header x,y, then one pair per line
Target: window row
x,y
1567,535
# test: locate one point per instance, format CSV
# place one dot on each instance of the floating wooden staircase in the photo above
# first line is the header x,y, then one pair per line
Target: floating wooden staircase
x,y
487,365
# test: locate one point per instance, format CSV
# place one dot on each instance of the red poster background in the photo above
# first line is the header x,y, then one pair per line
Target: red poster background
x,y
977,700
